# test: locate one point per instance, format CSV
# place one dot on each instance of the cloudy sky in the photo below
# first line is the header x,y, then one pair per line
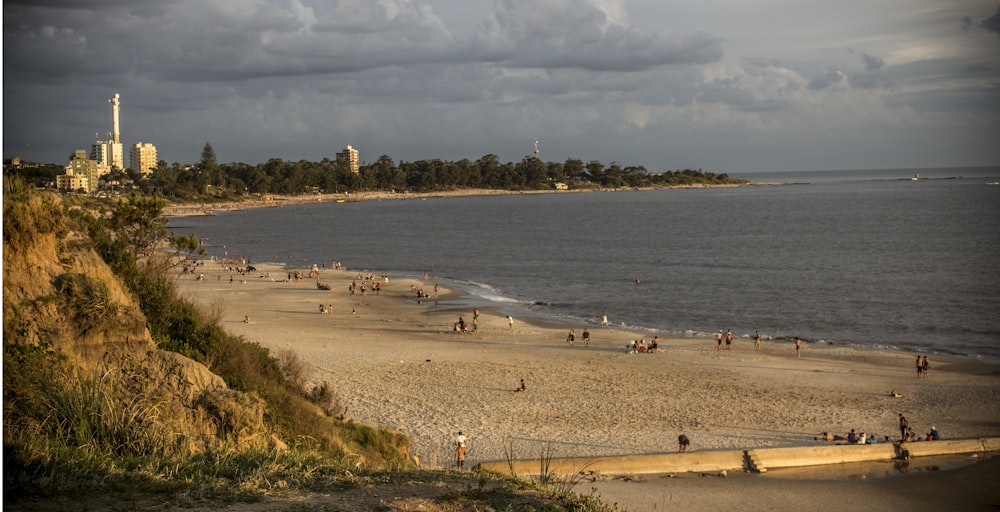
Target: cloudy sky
x,y
722,85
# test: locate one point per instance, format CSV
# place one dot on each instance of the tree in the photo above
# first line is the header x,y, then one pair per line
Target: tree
x,y
208,155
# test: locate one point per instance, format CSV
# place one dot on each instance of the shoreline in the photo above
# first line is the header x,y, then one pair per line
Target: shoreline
x,y
422,333
395,363
280,200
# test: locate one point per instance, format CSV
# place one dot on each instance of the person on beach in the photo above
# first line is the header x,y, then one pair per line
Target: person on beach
x,y
571,337
682,443
756,341
798,347
246,319
904,452
654,346
920,368
925,367
903,425
475,320
718,341
460,442
510,322
521,388
604,320
586,338
729,339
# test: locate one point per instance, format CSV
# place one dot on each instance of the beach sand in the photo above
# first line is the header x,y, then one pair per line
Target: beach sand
x,y
396,363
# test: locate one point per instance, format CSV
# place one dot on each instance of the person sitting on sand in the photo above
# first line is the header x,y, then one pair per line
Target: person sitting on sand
x,y
933,435
653,345
852,437
521,388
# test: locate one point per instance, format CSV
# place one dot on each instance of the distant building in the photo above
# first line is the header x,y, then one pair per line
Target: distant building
x,y
108,153
349,155
142,158
72,182
82,173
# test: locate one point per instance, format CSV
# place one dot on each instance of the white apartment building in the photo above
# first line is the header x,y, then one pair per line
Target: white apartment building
x,y
142,158
349,155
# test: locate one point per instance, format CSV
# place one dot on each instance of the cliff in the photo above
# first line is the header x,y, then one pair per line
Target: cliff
x,y
60,297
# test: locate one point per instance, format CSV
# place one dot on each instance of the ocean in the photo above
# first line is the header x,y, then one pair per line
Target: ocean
x,y
858,258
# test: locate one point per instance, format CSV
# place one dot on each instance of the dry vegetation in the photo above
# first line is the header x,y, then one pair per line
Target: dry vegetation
x,y
118,395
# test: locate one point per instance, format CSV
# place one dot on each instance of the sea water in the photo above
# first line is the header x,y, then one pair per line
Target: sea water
x,y
863,258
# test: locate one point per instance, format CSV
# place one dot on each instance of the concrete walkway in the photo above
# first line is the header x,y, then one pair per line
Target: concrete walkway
x,y
757,459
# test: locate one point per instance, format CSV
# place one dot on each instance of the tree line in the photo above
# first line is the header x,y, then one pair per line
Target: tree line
x,y
277,176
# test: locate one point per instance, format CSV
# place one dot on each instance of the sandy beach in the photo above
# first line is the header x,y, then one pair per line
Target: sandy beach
x,y
395,362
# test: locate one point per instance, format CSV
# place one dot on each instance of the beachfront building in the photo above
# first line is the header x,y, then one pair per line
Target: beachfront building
x,y
108,153
349,155
142,158
81,173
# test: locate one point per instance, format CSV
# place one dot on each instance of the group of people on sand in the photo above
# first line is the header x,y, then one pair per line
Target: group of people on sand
x,y
641,347
461,327
728,338
906,435
923,367
571,337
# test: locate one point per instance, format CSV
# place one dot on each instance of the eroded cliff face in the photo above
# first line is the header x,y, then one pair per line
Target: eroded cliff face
x,y
59,294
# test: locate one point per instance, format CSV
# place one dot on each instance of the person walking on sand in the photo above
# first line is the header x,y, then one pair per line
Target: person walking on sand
x,y
571,337
586,338
756,341
718,341
729,339
903,425
920,368
682,443
925,367
460,442
510,322
604,320
798,347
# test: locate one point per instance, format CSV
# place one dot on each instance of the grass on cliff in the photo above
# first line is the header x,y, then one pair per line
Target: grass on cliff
x,y
87,440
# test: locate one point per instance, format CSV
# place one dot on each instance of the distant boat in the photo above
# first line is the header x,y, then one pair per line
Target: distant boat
x,y
916,176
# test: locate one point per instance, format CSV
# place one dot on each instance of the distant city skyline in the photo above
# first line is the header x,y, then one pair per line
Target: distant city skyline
x,y
725,85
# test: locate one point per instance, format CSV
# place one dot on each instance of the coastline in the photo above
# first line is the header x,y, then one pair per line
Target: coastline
x,y
279,200
396,363
365,335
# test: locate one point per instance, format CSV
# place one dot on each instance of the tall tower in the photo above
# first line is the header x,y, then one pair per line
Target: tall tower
x,y
114,118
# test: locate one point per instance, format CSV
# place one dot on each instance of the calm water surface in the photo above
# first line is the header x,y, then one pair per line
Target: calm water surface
x,y
868,258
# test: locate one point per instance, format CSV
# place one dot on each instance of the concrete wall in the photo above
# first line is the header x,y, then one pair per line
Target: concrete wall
x,y
697,462
761,458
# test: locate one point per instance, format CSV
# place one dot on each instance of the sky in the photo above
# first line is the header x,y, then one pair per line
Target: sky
x,y
720,85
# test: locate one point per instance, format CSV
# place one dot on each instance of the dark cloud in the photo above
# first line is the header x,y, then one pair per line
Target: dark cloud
x,y
871,63
575,34
826,79
992,23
